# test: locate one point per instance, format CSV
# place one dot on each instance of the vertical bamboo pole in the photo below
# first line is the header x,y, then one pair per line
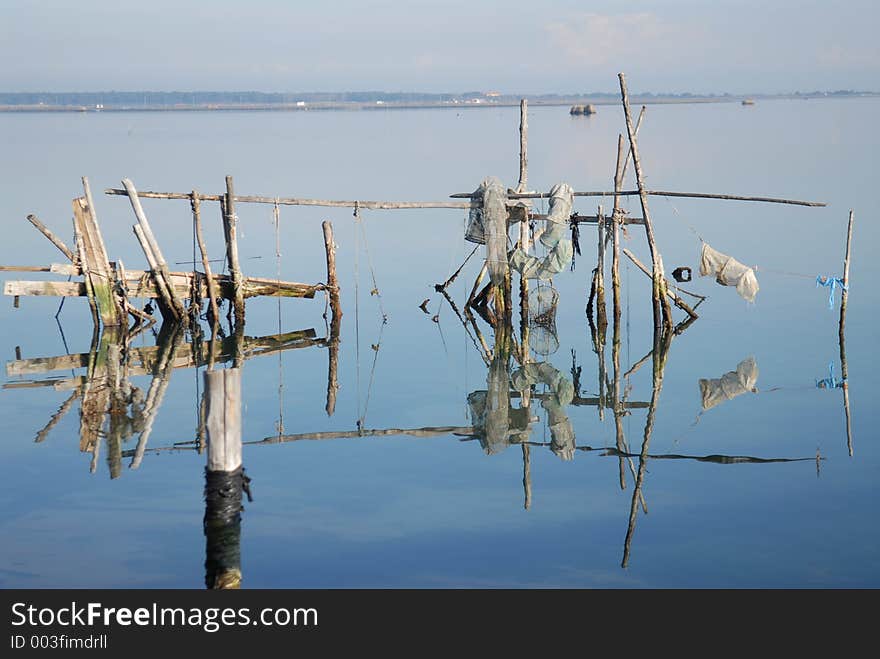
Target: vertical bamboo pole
x,y
527,476
523,145
213,293
230,223
662,312
843,368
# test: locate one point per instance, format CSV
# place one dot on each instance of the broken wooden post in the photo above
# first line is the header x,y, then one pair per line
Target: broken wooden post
x,y
332,281
230,232
213,293
843,369
527,476
95,265
523,145
55,240
662,313
158,266
224,480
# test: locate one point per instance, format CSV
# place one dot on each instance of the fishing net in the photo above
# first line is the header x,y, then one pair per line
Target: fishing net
x,y
543,339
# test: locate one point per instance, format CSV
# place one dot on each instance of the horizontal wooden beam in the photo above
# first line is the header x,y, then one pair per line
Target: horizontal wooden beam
x,y
295,201
140,284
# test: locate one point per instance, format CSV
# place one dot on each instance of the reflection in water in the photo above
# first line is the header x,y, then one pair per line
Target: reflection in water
x,y
114,411
730,385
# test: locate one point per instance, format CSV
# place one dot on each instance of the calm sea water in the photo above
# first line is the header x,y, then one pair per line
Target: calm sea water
x,y
438,511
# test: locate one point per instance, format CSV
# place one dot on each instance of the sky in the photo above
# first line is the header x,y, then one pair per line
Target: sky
x,y
537,47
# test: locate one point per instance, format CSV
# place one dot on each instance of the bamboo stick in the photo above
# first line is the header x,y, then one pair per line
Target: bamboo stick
x,y
213,293
55,240
527,476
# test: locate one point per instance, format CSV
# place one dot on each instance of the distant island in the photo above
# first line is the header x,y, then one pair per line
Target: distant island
x,y
116,101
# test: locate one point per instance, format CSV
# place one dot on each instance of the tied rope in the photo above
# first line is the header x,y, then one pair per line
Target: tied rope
x,y
832,283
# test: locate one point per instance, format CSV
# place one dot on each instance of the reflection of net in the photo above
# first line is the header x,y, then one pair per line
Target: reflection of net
x,y
542,320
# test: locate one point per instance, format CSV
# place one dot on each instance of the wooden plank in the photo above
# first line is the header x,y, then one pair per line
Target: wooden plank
x,y
95,264
51,288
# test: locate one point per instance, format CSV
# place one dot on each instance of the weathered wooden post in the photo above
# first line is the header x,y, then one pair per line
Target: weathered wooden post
x,y
95,264
230,231
523,145
336,317
662,312
224,480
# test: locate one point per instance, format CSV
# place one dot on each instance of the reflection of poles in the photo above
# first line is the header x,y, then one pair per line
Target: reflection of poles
x,y
223,480
161,377
843,369
662,340
527,476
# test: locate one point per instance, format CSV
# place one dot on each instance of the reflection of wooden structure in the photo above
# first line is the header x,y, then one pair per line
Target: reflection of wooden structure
x,y
114,409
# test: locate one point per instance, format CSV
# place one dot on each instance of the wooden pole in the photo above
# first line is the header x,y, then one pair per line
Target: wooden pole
x,y
213,293
661,316
294,201
332,281
230,222
657,193
396,205
223,391
616,218
336,317
527,476
523,145
166,303
148,240
55,240
843,368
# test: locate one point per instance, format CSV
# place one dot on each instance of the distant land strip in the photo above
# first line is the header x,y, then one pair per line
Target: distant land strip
x,y
152,101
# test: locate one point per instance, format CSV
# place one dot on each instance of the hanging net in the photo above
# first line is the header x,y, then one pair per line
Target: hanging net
x,y
543,339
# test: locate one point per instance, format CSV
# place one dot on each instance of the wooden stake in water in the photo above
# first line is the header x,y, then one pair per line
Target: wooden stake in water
x,y
843,297
223,391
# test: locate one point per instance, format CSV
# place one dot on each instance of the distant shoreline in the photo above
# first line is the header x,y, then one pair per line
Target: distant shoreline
x,y
468,103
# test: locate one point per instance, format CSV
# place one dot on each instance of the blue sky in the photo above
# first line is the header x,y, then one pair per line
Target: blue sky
x,y
737,46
